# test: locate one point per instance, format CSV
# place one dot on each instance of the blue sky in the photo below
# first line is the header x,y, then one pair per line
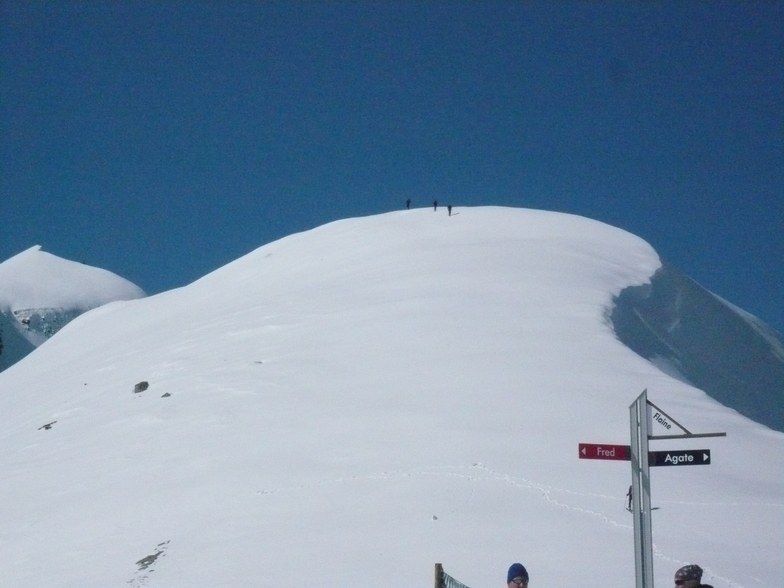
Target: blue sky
x,y
161,140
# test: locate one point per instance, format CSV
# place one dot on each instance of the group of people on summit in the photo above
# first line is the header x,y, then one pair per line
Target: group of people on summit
x,y
689,576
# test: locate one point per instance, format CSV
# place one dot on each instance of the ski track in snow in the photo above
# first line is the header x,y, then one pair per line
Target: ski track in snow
x,y
545,491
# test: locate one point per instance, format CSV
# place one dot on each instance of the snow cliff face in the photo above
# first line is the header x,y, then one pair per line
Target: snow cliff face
x,y
41,293
693,334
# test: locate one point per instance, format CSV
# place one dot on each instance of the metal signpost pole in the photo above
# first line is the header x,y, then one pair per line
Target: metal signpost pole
x,y
641,492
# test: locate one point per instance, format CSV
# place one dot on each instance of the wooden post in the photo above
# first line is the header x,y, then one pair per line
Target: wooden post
x,y
439,579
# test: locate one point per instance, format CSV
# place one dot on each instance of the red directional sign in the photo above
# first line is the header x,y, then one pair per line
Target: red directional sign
x,y
593,451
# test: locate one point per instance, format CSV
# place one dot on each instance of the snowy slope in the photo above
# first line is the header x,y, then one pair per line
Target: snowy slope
x,y
352,404
40,293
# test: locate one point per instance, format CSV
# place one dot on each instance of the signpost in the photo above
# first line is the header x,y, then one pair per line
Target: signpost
x,y
642,459
641,493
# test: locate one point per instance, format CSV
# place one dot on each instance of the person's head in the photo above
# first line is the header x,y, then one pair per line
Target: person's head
x,y
517,576
688,576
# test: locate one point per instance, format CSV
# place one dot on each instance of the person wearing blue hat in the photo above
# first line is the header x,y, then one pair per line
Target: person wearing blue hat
x,y
517,576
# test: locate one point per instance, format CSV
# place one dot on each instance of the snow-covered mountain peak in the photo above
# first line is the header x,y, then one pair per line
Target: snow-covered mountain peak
x,y
37,279
40,293
372,397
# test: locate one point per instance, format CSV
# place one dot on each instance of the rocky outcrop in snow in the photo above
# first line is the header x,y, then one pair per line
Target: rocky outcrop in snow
x,y
696,336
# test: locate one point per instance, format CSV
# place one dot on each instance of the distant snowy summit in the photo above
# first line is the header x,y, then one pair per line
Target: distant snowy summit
x,y
40,293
